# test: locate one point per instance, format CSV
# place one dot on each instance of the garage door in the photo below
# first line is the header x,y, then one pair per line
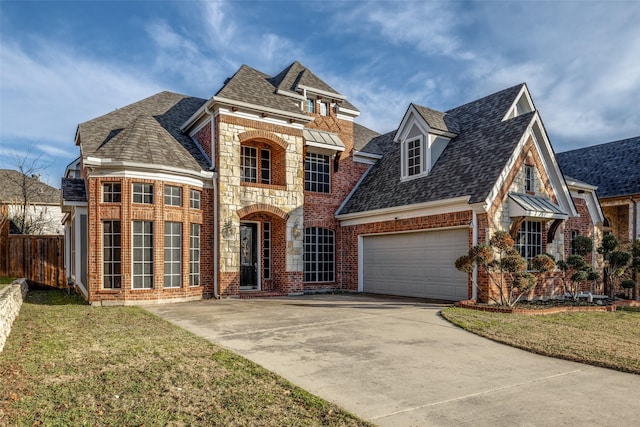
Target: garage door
x,y
417,264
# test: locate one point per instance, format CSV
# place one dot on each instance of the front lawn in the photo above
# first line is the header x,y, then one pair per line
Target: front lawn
x,y
607,339
66,363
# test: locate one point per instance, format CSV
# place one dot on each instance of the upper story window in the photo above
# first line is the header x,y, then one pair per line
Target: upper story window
x,y
256,165
528,179
413,158
529,240
194,201
310,105
111,192
317,173
142,193
172,195
324,108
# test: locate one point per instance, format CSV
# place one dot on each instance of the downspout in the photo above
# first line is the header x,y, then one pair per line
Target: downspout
x,y
634,240
474,241
216,225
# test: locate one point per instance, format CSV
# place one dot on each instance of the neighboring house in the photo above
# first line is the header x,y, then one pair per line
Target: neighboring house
x,y
29,204
614,168
269,187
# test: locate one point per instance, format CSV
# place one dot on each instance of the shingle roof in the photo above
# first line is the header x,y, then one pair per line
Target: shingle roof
x,y
612,167
255,87
12,184
459,171
363,140
484,111
147,131
74,190
437,119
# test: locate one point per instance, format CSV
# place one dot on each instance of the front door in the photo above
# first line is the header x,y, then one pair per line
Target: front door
x,y
248,255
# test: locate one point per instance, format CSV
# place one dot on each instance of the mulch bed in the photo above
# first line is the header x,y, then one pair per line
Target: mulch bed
x,y
545,307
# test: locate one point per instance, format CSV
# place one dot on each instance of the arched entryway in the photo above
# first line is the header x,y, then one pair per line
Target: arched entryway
x,y
263,249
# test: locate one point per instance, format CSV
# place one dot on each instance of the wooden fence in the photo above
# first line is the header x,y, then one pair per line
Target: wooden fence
x,y
39,259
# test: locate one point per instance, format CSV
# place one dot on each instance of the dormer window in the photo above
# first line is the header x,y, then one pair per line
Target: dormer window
x,y
324,108
414,157
310,105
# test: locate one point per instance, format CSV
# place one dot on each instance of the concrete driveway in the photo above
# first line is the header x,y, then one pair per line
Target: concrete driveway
x,y
396,362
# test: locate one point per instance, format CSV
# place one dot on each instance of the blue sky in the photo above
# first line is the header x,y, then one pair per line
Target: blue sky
x,y
62,63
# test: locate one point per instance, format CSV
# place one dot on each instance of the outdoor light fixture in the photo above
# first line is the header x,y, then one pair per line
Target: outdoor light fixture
x,y
295,231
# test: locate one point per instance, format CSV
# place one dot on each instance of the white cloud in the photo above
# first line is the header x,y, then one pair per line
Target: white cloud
x,y
430,27
48,90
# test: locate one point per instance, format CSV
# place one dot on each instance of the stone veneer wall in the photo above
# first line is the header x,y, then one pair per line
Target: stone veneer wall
x,y
11,299
234,195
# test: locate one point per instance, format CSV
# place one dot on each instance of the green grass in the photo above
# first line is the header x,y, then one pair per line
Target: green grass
x,y
5,281
66,363
605,339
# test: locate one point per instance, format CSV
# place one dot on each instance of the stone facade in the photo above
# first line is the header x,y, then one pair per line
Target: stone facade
x,y
11,298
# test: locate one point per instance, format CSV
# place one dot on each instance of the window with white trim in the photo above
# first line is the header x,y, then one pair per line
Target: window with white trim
x,y
255,169
310,105
172,195
529,240
111,192
142,255
324,108
172,254
194,255
528,178
111,254
414,157
194,201
265,166
319,255
249,163
317,173
142,193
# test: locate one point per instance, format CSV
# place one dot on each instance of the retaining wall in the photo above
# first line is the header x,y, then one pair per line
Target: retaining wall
x,y
11,298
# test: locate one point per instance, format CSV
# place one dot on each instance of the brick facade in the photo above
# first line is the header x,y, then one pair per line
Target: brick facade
x,y
126,212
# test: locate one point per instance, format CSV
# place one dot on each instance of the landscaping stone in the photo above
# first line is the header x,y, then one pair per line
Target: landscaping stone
x,y
11,299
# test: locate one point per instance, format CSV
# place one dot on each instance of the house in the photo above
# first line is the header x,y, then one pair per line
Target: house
x,y
270,187
448,181
30,205
614,168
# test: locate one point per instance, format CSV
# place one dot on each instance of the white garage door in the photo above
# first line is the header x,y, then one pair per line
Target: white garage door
x,y
419,264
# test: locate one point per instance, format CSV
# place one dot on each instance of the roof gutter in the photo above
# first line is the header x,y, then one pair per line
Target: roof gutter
x,y
108,163
408,211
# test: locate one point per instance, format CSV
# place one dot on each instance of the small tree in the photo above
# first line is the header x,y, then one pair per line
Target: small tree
x,y
504,267
575,270
635,266
615,262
